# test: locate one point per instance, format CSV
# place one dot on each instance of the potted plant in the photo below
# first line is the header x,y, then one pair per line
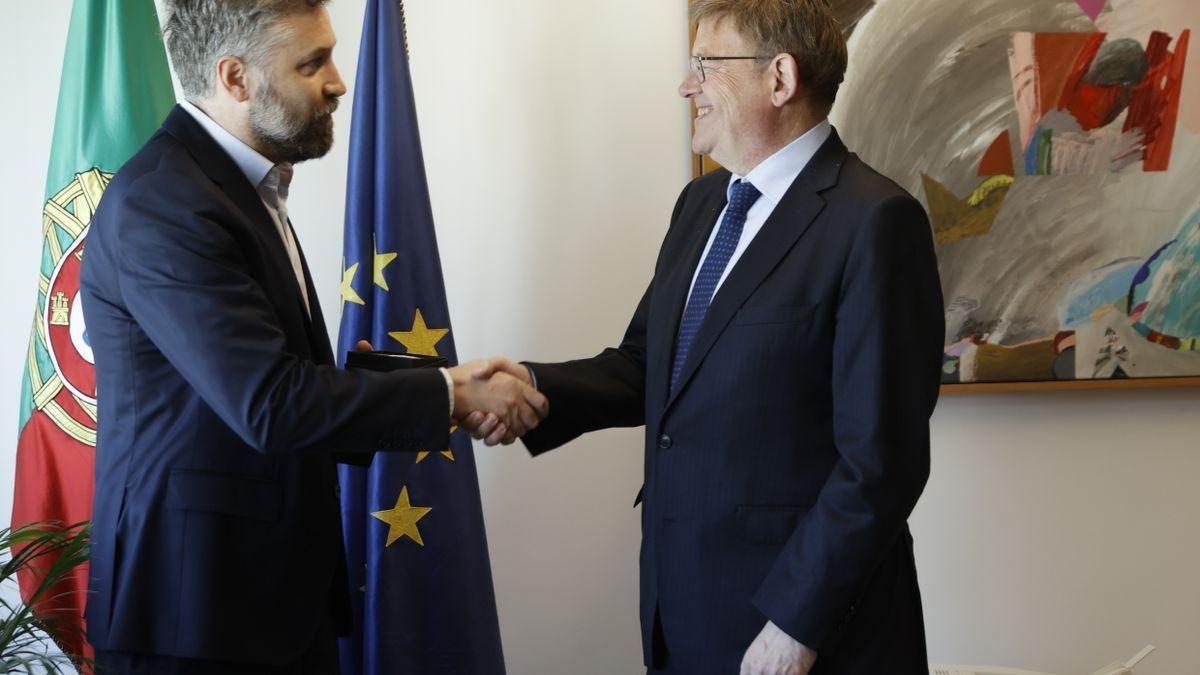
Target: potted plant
x,y
30,630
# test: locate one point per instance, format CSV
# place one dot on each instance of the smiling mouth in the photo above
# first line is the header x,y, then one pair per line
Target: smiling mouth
x,y
701,112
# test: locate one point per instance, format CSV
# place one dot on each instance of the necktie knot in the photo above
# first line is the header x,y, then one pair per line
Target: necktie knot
x,y
742,196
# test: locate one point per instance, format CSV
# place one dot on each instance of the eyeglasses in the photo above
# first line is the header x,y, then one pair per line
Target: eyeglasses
x,y
696,63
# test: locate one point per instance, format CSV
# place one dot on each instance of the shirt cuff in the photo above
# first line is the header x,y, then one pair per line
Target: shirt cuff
x,y
449,389
532,375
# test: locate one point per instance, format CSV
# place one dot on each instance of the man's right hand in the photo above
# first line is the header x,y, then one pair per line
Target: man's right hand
x,y
491,395
489,428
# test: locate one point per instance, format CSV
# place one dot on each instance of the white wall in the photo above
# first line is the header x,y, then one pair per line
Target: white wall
x,y
1058,531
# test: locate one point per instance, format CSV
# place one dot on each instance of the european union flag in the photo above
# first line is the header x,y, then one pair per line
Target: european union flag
x,y
415,541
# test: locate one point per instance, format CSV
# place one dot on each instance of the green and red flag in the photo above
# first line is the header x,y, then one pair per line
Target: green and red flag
x,y
114,93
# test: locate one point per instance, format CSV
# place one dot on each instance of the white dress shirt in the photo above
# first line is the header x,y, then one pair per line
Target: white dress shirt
x,y
772,177
271,181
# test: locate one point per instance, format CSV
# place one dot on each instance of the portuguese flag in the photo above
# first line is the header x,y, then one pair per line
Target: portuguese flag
x,y
115,91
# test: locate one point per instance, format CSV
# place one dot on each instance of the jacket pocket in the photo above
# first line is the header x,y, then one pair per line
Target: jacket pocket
x,y
768,524
748,316
229,494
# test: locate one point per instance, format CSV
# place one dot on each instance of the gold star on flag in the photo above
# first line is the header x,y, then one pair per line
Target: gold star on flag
x,y
382,260
402,520
421,339
448,454
348,292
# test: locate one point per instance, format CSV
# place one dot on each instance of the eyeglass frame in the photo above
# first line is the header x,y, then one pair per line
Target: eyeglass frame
x,y
696,63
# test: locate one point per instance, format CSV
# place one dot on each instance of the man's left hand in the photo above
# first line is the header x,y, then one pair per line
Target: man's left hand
x,y
774,652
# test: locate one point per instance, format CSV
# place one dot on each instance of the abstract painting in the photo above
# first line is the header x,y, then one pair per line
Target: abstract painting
x,y
1056,146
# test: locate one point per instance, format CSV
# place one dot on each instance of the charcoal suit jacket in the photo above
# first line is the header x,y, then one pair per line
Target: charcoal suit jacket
x,y
217,532
781,470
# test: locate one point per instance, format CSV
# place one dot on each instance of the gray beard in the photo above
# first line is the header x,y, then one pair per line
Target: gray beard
x,y
287,133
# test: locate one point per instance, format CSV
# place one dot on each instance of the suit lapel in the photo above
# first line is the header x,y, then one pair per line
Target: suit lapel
x,y
220,167
779,234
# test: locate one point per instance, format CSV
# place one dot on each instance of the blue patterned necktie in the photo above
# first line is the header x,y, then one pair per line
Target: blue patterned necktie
x,y
743,197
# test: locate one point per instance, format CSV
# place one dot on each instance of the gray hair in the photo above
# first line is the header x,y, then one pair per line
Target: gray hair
x,y
199,32
806,29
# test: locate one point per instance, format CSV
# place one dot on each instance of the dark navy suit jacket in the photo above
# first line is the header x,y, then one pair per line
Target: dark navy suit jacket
x,y
780,474
216,528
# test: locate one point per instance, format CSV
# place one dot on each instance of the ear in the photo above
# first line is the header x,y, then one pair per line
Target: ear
x,y
232,78
785,77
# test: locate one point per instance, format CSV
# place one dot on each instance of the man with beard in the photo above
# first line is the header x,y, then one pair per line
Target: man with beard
x,y
216,544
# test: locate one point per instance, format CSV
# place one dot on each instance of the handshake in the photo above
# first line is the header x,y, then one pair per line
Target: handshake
x,y
495,400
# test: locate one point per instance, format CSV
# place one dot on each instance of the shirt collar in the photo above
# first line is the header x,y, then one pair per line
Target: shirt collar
x,y
775,174
277,181
253,165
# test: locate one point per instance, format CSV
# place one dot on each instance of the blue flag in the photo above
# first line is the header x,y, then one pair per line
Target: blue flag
x,y
415,542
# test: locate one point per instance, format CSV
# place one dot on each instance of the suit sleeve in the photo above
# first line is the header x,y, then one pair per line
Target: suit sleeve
x,y
886,372
607,390
186,283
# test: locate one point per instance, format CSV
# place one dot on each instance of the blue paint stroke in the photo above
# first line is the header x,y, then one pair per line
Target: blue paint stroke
x,y
1088,294
1169,283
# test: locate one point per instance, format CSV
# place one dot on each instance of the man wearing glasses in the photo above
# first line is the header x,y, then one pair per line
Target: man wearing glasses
x,y
785,361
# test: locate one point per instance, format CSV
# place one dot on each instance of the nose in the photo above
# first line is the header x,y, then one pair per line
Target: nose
x,y
335,86
690,86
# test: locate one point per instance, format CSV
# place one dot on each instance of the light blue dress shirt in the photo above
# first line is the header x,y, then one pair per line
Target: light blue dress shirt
x,y
772,177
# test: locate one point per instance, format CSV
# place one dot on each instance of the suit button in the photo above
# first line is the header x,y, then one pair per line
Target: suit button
x,y
664,441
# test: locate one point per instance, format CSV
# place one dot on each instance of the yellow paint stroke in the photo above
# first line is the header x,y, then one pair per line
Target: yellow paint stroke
x,y
955,219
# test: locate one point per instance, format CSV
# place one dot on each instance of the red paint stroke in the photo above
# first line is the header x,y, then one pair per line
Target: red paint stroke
x,y
1168,341
1064,340
998,160
1155,107
1090,105
1054,54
